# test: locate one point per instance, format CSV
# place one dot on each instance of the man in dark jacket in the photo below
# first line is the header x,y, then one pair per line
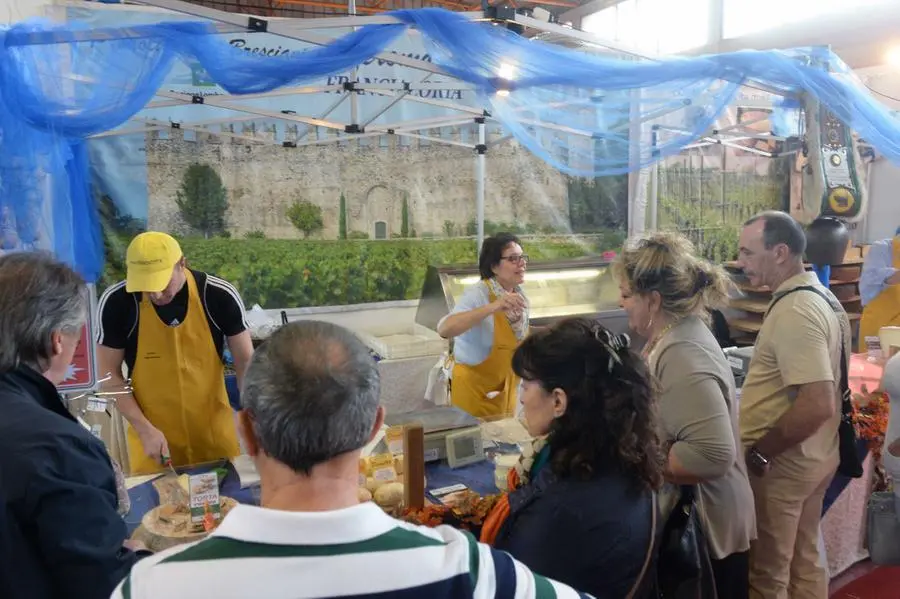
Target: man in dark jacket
x,y
60,535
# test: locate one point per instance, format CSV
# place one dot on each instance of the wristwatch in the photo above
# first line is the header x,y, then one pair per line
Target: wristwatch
x,y
757,461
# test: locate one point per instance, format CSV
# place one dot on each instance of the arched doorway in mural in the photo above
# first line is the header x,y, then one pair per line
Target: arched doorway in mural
x,y
379,211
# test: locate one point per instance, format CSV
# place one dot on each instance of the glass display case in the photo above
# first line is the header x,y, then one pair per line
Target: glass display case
x,y
555,289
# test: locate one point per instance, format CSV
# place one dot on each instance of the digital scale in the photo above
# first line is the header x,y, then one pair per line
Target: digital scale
x,y
450,434
739,360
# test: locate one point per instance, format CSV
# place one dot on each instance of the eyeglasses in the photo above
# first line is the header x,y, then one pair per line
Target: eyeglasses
x,y
516,259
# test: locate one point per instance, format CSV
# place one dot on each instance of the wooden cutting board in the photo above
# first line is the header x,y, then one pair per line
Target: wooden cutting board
x,y
166,526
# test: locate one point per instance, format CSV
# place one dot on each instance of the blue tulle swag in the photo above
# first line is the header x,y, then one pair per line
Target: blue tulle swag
x,y
576,110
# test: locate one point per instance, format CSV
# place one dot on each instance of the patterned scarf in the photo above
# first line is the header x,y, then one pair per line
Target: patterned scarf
x,y
534,457
517,320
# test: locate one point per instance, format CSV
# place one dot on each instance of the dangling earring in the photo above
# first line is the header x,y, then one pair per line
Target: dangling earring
x,y
649,325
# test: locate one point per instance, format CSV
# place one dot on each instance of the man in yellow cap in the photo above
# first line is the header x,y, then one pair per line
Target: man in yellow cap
x,y
169,326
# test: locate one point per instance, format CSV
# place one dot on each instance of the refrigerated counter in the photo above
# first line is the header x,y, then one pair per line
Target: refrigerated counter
x,y
556,289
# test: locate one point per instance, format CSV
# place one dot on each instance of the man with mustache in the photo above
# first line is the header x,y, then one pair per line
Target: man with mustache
x,y
790,409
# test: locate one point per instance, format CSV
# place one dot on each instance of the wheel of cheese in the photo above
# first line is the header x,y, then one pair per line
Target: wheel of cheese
x,y
168,526
389,495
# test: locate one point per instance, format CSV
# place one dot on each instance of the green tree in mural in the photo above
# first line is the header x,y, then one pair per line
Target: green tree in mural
x,y
449,228
404,218
306,216
202,200
342,218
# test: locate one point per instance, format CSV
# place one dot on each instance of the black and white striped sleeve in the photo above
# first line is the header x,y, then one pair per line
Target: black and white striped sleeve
x,y
225,307
117,317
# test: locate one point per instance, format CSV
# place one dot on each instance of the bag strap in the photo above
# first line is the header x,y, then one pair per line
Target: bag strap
x,y
846,395
640,579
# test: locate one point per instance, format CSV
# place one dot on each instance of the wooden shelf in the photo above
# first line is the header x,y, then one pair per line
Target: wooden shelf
x,y
757,306
744,286
753,305
733,265
746,325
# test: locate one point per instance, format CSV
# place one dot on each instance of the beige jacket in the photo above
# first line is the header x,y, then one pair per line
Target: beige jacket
x,y
698,410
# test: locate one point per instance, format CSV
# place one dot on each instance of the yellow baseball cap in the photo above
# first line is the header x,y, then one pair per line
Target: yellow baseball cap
x,y
151,259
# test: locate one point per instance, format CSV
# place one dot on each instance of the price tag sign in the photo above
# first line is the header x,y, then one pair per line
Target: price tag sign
x,y
204,497
96,405
394,438
383,468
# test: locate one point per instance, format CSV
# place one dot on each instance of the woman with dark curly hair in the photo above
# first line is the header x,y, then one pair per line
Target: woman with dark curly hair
x,y
581,506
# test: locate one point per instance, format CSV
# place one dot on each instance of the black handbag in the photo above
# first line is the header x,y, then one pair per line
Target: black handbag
x,y
684,569
850,465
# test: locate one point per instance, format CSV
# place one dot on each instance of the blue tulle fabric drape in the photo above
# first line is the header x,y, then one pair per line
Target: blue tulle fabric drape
x,y
586,113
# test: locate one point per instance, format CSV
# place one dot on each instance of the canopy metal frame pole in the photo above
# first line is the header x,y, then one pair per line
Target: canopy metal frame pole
x,y
350,86
654,182
635,222
480,176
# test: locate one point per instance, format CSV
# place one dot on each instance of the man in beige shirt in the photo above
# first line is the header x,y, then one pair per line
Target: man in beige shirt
x,y
790,411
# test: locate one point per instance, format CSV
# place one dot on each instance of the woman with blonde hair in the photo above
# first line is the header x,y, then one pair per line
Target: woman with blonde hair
x,y
667,292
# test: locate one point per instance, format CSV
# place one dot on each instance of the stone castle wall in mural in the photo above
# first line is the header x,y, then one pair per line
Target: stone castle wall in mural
x,y
375,175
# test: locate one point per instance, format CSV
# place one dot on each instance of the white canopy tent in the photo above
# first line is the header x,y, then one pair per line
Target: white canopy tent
x,y
362,120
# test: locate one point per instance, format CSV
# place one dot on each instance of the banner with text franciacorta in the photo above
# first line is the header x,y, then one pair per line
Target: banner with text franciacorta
x,y
119,161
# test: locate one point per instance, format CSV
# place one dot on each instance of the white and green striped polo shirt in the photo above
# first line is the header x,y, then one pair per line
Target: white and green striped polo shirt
x,y
356,552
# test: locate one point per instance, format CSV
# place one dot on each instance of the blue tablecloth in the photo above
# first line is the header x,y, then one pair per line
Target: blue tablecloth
x,y
478,477
234,394
840,481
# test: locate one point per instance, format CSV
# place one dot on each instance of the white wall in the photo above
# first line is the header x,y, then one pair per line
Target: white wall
x,y
883,215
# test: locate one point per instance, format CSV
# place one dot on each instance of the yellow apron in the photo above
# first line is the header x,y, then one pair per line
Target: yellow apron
x,y
471,384
884,310
179,383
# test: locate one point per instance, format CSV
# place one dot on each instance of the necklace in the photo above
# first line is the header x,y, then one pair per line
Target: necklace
x,y
651,345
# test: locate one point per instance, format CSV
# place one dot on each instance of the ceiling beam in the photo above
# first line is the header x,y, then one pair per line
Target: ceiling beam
x,y
576,14
859,37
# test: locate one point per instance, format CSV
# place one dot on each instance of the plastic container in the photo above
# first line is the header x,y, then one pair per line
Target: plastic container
x,y
503,463
883,529
413,341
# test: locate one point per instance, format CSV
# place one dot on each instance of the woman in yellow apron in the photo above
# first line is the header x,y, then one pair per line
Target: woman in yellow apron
x,y
487,325
878,271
